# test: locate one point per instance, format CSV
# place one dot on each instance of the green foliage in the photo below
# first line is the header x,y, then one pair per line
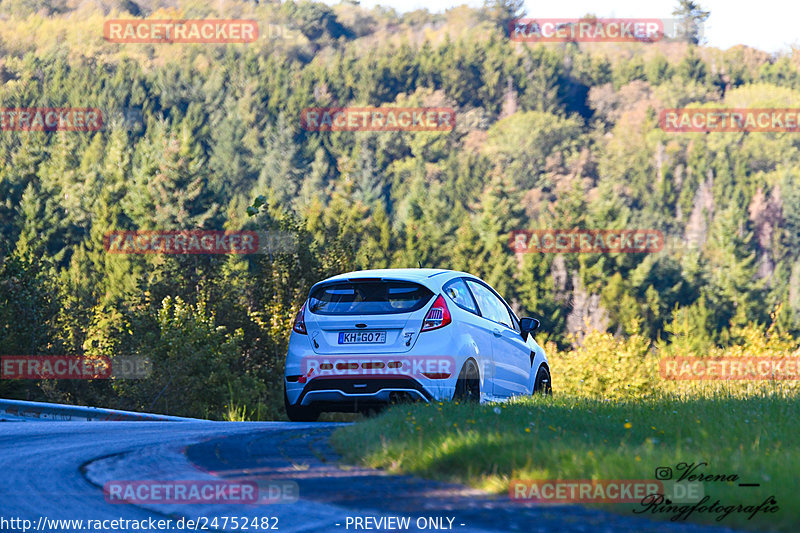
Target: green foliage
x,y
195,362
30,299
545,137
568,437
522,144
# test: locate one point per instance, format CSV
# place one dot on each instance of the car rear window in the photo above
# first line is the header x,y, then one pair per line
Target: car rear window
x,y
373,297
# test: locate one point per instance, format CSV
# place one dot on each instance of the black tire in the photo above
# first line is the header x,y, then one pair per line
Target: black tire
x,y
542,385
299,413
468,386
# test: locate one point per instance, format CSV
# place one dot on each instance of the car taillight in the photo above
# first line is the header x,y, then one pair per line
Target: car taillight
x,y
300,321
438,315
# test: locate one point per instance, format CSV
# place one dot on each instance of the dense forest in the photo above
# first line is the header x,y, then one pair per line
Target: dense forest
x,y
208,136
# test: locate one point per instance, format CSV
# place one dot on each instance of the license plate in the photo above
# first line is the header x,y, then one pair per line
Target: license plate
x,y
362,337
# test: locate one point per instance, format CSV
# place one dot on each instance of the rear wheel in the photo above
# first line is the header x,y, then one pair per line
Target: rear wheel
x,y
468,386
299,413
542,383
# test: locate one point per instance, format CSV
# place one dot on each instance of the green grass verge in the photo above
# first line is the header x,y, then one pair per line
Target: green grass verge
x,y
487,446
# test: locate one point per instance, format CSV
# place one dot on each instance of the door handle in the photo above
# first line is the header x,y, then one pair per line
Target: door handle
x,y
497,332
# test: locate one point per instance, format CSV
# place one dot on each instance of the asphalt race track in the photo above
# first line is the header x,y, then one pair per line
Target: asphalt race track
x,y
57,470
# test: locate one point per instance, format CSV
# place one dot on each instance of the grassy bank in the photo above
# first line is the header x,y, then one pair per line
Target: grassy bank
x,y
571,437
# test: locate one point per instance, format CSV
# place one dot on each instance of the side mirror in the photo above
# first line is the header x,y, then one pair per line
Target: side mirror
x,y
528,325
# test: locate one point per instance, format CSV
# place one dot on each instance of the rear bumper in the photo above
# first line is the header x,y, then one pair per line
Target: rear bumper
x,y
353,394
336,390
349,394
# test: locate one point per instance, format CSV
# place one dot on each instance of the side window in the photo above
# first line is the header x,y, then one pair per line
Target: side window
x,y
458,292
491,307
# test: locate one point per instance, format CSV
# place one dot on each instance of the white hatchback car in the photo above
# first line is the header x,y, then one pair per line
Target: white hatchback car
x,y
365,339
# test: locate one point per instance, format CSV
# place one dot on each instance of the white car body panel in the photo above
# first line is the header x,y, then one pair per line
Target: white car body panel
x,y
502,356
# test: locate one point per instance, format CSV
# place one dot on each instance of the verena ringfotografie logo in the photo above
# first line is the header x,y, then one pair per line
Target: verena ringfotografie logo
x,y
378,119
426,367
180,31
610,30
198,242
194,491
691,476
706,120
73,367
730,368
50,119
586,241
